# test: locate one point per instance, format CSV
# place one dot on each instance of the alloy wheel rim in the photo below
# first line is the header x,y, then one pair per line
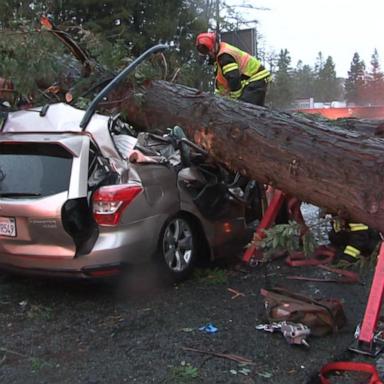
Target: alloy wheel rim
x,y
178,245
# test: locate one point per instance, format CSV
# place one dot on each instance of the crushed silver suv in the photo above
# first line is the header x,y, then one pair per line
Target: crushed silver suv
x,y
80,196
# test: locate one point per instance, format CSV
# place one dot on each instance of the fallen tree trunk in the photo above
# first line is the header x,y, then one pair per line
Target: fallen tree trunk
x,y
331,167
366,127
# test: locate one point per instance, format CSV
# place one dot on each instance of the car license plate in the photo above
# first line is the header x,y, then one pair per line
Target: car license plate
x,y
7,226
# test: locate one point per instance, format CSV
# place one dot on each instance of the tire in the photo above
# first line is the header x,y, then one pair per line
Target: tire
x,y
178,245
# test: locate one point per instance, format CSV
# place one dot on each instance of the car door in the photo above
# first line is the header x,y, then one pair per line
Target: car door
x,y
38,176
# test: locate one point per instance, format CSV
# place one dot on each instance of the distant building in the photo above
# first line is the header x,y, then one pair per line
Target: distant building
x,y
311,104
338,109
304,103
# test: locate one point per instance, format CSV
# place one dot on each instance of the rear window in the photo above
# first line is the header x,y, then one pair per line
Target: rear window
x,y
34,169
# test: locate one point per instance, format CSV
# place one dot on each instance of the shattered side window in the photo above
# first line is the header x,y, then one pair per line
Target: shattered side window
x,y
96,172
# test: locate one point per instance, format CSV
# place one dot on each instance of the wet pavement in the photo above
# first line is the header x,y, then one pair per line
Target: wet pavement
x,y
67,332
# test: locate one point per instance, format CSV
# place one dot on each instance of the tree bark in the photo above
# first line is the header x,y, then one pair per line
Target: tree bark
x,y
366,127
331,167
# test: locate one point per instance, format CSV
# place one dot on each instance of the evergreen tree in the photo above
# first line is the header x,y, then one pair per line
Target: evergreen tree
x,y
356,81
375,81
44,63
319,63
303,79
326,84
119,29
281,92
12,10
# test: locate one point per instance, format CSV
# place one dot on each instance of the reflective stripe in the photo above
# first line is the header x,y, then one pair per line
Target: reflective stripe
x,y
230,67
220,91
247,65
357,227
351,251
259,75
236,94
336,226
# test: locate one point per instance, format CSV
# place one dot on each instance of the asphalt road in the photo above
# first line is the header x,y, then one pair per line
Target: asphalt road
x,y
66,332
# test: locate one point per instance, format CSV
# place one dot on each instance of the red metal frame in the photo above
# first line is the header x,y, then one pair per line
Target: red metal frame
x,y
252,252
366,343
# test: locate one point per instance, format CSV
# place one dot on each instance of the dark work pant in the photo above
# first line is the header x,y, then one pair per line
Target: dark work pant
x,y
365,241
254,92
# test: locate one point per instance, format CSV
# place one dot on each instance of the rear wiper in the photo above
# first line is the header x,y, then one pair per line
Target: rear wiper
x,y
21,194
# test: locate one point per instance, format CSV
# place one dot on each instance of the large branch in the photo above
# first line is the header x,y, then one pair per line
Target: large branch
x,y
331,167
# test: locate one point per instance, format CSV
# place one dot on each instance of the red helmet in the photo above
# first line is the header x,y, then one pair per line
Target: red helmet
x,y
206,43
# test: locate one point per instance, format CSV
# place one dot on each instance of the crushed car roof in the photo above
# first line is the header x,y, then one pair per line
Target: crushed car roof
x,y
60,118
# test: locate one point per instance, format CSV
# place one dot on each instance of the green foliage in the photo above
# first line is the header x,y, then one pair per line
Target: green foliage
x,y
326,84
375,82
281,93
40,312
355,83
286,237
113,32
185,373
365,87
309,243
37,364
215,276
303,81
281,237
34,60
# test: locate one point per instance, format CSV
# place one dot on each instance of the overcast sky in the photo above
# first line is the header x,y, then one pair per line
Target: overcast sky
x,y
337,28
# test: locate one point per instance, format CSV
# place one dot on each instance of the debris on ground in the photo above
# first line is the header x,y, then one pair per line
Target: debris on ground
x,y
322,316
235,293
294,333
342,276
209,328
229,356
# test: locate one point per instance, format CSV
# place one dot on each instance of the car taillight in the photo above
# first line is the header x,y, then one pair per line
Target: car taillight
x,y
110,201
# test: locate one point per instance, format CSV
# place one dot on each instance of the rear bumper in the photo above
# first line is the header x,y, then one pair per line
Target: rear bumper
x,y
114,249
90,273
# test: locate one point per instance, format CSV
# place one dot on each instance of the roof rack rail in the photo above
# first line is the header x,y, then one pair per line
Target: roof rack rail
x,y
115,81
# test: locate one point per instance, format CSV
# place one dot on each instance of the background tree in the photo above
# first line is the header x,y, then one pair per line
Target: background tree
x,y
114,31
375,81
34,60
356,81
281,92
319,63
326,84
303,78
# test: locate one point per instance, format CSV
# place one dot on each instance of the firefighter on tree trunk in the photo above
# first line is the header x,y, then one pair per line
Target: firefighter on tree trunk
x,y
238,74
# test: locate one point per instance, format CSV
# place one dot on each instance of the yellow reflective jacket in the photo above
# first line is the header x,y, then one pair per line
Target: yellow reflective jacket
x,y
248,65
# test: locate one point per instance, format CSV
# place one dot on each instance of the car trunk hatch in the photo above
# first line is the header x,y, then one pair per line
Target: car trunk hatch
x,y
38,181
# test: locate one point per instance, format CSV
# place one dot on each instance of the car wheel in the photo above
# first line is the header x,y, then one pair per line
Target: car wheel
x,y
178,248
